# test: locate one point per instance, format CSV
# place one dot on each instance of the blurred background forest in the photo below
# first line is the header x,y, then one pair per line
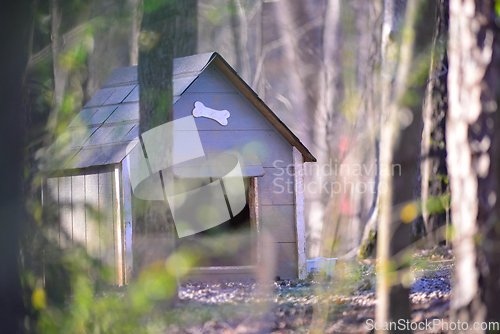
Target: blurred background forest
x,y
315,63
364,85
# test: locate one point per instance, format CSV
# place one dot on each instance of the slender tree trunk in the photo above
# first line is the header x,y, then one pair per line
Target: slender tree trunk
x,y
327,108
239,29
15,20
397,43
60,72
134,32
473,153
372,109
260,85
433,148
166,33
369,237
291,15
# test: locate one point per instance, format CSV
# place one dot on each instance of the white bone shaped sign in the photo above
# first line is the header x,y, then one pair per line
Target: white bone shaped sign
x,y
220,116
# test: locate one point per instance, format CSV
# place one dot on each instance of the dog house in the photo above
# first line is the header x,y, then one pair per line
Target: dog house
x,y
88,174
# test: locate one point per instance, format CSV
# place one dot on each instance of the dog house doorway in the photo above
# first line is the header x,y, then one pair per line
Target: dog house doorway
x,y
231,247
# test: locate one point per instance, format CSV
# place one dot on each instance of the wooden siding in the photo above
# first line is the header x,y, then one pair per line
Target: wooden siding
x,y
51,207
279,221
286,259
247,131
88,209
106,219
277,186
265,144
78,209
92,210
65,213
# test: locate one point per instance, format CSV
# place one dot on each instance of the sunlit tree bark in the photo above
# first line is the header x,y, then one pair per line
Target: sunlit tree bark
x,y
473,153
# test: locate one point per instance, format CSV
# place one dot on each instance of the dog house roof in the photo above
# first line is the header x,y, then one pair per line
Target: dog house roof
x,y
100,133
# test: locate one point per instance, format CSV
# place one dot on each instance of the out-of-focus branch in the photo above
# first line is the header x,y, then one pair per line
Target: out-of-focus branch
x,y
281,42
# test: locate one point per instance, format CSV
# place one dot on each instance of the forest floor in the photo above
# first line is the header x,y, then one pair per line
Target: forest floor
x,y
344,303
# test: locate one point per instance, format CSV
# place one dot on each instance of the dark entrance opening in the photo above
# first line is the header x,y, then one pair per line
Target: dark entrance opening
x,y
227,244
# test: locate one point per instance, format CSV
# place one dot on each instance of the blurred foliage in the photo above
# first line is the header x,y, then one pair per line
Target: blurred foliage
x,y
153,5
368,246
95,306
409,213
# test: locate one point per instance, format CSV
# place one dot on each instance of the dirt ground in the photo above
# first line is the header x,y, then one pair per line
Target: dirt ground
x,y
344,303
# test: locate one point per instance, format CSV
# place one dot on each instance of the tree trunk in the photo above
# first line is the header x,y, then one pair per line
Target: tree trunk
x,y
166,33
259,85
60,72
324,205
397,42
239,29
303,58
369,82
433,146
473,153
134,32
15,20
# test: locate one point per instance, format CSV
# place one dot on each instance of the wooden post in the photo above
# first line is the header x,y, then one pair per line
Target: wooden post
x,y
127,219
253,199
118,227
300,223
